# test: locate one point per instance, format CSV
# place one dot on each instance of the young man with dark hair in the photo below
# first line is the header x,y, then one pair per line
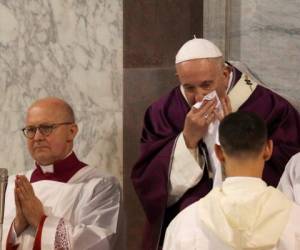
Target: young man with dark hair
x,y
244,213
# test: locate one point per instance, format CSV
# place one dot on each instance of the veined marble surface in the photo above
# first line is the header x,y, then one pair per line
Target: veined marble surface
x,y
70,49
214,22
265,34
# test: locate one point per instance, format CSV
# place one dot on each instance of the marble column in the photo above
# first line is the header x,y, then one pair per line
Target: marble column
x,y
215,25
69,49
264,34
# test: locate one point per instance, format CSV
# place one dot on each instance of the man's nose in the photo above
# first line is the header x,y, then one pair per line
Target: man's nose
x,y
38,135
200,95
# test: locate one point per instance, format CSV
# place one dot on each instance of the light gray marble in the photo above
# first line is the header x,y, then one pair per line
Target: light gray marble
x,y
215,23
265,34
70,49
268,33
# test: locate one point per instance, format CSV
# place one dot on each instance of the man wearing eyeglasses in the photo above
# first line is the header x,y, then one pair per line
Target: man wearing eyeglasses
x,y
62,203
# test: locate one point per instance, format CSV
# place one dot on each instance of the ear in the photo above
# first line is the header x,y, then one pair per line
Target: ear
x,y
219,153
226,72
177,74
268,150
73,130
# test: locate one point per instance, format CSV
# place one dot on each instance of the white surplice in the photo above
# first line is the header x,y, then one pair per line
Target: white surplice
x,y
83,213
241,214
289,182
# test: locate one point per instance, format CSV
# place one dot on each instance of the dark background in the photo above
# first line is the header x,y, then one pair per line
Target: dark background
x,y
154,30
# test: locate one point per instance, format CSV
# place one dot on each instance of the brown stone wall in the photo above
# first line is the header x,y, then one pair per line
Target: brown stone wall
x,y
153,32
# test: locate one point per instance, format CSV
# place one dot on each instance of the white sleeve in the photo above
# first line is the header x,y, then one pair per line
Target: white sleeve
x,y
173,237
13,237
186,232
289,182
97,222
169,241
186,170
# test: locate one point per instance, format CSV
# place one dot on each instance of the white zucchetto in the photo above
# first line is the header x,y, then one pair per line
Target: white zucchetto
x,y
197,48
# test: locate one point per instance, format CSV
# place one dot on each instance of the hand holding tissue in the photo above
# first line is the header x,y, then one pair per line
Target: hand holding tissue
x,y
209,97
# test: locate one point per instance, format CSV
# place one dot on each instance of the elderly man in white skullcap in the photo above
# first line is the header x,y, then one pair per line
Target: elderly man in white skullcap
x,y
177,165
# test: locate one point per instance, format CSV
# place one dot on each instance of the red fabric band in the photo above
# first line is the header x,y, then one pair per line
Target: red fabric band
x,y
38,236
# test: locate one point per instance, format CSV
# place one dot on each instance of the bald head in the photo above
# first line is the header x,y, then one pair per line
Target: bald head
x,y
56,107
52,126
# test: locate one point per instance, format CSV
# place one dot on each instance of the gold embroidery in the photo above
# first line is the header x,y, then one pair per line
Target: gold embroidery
x,y
248,82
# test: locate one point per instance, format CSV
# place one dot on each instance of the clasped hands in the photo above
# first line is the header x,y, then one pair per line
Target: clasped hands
x,y
29,209
197,120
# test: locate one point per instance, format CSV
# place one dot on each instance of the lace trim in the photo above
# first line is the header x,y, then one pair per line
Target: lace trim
x,y
62,241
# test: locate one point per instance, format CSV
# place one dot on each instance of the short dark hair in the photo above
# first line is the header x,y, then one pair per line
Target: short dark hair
x,y
242,133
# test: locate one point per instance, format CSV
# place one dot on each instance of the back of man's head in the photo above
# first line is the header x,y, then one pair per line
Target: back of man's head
x,y
242,134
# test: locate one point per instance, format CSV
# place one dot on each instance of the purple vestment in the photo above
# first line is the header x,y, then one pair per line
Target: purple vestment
x,y
164,121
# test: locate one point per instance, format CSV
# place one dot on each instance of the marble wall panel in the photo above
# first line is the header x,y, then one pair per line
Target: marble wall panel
x,y
264,34
268,33
70,49
214,22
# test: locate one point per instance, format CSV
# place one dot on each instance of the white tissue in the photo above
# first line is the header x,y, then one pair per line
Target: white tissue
x,y
210,96
197,105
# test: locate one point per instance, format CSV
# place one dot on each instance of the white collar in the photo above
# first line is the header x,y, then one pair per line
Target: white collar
x,y
239,185
50,168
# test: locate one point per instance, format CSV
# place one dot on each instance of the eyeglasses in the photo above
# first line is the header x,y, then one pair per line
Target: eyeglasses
x,y
44,129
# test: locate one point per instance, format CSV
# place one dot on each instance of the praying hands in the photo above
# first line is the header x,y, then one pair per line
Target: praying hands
x,y
29,209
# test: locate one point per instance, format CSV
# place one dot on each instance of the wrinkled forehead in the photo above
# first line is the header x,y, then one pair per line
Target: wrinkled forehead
x,y
204,69
202,63
50,113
